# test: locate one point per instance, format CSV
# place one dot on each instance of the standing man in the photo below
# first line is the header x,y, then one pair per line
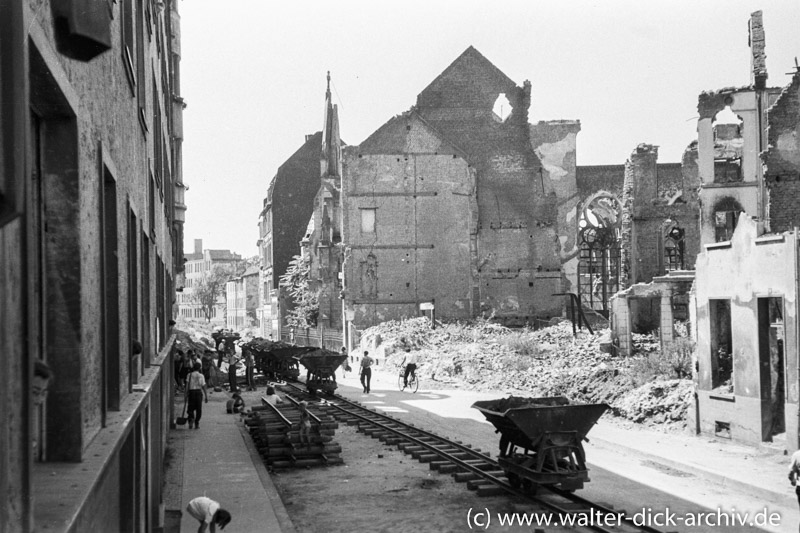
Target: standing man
x,y
195,392
366,371
232,362
249,366
410,360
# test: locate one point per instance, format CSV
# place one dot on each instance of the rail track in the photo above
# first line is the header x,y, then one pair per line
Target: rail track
x,y
468,465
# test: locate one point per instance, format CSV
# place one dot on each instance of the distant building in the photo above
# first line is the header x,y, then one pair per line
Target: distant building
x,y
241,295
91,214
283,221
198,265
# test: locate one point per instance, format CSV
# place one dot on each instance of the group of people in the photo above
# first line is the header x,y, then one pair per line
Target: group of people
x,y
409,362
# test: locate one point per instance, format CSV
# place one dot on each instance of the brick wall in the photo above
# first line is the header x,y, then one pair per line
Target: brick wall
x,y
782,159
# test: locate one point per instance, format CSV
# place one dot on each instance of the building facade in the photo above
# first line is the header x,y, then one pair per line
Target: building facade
x,y
304,190
90,227
198,270
241,298
746,286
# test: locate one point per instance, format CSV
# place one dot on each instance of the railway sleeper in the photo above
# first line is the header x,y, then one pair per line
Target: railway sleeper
x,y
462,477
426,457
288,450
302,463
490,489
410,447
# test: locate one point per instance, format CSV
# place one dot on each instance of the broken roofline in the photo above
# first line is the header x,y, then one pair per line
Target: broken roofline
x,y
710,102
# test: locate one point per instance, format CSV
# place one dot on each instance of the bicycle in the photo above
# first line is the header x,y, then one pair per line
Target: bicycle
x,y
413,380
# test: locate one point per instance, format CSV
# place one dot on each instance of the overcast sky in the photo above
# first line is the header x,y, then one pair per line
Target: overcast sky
x,y
253,76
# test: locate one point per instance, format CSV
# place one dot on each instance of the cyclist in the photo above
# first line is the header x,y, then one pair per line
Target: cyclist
x,y
410,360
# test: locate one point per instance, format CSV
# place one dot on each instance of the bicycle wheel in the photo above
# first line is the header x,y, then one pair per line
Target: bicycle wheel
x,y
400,382
413,382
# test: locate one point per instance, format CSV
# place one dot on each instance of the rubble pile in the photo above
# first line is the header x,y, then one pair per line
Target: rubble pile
x,y
545,362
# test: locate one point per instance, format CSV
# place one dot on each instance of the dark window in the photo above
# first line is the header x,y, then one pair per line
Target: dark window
x,y
674,249
727,170
726,214
721,345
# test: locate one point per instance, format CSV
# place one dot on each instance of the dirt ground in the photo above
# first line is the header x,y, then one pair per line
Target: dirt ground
x,y
380,489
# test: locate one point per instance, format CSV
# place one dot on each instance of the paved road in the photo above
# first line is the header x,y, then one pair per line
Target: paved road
x,y
627,482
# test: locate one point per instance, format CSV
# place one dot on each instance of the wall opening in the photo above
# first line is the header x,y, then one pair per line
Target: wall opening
x,y
726,215
599,261
721,346
771,367
674,249
501,108
645,314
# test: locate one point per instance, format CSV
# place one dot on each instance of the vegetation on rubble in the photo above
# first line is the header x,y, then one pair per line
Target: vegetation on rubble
x,y
306,301
648,387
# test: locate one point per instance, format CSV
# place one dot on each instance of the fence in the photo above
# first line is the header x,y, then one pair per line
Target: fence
x,y
330,339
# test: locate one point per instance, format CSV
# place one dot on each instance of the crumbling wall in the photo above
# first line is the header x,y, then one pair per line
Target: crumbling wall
x,y
768,263
782,159
517,207
554,142
422,249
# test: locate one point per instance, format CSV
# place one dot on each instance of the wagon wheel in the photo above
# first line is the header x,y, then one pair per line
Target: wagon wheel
x,y
513,480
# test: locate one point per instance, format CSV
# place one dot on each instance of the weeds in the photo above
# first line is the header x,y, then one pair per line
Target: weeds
x,y
675,362
522,342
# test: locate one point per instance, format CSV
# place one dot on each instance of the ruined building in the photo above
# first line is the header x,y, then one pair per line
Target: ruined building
x,y
91,212
746,288
447,204
293,199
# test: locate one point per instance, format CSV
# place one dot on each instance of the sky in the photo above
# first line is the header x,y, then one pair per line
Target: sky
x,y
253,73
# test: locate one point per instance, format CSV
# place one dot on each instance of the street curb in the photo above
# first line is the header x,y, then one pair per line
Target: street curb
x,y
284,520
754,491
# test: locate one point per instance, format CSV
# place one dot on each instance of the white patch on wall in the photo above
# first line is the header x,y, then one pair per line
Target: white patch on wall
x,y
552,155
787,144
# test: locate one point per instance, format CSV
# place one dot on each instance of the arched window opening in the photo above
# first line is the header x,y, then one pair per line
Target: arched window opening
x,y
599,261
728,145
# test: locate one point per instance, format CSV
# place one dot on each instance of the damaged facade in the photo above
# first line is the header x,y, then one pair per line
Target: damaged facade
x,y
448,204
91,214
746,288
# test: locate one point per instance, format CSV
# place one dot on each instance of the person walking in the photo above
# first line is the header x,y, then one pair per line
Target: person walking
x,y
195,392
249,367
345,364
366,371
208,513
233,362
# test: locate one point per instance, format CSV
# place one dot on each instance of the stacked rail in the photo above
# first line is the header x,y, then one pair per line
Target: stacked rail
x,y
275,431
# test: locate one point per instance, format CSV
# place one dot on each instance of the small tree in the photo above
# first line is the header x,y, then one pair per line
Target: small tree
x,y
306,301
209,287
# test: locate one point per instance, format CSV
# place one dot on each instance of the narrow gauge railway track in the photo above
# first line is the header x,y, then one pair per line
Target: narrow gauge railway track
x,y
466,464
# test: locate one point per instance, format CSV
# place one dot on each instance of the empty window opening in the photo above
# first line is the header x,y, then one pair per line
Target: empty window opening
x,y
728,170
502,108
728,146
722,429
726,214
721,346
674,247
599,237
